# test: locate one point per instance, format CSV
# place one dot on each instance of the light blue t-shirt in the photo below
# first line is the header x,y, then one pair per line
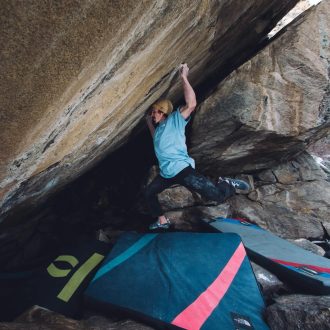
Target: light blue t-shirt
x,y
170,145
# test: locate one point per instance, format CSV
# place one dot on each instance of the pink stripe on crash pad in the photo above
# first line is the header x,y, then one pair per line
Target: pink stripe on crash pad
x,y
194,316
297,265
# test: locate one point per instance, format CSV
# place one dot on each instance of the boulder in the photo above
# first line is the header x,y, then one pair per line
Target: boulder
x,y
267,176
321,153
177,197
37,318
173,198
289,200
292,199
189,219
299,312
308,245
277,217
303,168
269,283
321,148
304,198
273,106
78,76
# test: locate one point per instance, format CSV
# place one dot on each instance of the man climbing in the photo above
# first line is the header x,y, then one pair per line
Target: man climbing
x,y
176,166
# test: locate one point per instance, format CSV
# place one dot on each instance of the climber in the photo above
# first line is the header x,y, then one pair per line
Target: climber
x,y
176,166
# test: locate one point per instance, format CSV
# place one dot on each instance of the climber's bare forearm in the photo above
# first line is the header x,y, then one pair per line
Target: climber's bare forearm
x,y
189,93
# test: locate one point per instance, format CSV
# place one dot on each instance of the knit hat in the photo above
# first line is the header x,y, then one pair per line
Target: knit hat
x,y
165,106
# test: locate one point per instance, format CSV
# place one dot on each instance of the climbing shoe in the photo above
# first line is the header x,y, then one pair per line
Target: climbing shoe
x,y
157,225
237,184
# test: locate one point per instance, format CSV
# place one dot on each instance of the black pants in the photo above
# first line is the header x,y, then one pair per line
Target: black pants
x,y
190,179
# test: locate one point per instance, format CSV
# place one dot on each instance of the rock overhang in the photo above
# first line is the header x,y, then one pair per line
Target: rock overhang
x,y
78,77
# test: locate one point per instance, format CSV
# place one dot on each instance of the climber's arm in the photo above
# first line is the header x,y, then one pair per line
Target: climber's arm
x,y
188,91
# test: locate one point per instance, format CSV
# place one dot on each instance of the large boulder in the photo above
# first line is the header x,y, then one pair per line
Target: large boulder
x,y
291,200
271,107
77,77
299,312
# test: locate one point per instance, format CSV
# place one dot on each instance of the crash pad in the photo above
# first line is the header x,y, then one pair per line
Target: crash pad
x,y
302,269
57,285
179,280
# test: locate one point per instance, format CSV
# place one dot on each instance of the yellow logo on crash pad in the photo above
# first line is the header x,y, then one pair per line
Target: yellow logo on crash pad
x,y
78,277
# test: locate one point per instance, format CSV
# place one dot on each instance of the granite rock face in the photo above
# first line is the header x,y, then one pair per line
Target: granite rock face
x,y
299,312
290,200
77,77
271,107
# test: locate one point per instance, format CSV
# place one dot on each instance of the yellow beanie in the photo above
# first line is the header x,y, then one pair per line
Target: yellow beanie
x,y
165,106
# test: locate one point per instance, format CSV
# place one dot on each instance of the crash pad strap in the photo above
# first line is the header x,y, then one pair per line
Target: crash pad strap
x,y
195,315
133,249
